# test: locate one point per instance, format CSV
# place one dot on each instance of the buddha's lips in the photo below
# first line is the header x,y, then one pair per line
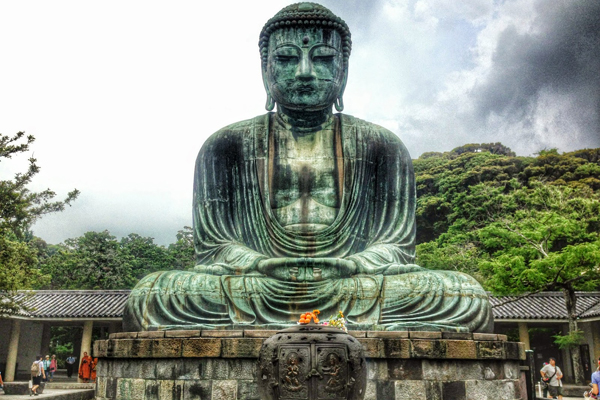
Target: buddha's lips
x,y
305,89
302,86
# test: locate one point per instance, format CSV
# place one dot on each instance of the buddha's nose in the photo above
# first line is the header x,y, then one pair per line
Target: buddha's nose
x,y
305,68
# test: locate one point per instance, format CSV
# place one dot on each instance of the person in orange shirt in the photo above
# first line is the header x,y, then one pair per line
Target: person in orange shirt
x,y
85,368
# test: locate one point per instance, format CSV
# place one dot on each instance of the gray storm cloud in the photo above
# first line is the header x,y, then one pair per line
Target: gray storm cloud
x,y
560,59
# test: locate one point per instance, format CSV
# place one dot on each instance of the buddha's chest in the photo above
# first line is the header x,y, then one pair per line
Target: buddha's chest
x,y
304,179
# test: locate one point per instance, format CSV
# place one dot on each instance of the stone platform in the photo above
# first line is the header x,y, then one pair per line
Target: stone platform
x,y
220,365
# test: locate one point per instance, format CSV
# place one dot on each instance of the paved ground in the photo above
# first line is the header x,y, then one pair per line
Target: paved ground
x,y
48,393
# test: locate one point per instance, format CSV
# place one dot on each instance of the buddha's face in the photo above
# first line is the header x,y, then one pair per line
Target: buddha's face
x,y
305,69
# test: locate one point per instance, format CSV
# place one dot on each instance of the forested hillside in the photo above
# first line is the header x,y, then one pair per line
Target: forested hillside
x,y
480,203
518,224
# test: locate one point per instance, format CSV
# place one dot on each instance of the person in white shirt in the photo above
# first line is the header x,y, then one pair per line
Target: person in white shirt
x,y
553,375
37,374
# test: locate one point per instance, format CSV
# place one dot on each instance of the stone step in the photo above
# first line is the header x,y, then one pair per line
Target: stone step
x,y
16,390
70,385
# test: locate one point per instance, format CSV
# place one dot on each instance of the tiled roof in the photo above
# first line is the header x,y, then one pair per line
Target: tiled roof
x,y
593,311
62,304
545,305
74,303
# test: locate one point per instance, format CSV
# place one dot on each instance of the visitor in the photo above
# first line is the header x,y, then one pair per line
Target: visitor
x,y
85,368
553,375
1,381
37,374
545,386
70,361
53,367
94,363
47,368
596,381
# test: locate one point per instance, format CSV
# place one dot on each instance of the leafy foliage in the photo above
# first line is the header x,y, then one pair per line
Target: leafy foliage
x,y
19,209
518,224
570,340
544,238
144,255
91,261
97,260
450,190
182,251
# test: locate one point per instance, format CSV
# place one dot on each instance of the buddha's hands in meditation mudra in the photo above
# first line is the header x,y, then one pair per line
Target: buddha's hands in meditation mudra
x,y
307,269
303,209
290,269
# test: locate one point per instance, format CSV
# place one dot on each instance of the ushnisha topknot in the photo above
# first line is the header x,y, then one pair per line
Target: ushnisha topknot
x,y
305,14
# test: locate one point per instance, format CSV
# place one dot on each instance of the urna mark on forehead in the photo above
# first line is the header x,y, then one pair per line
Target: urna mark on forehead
x,y
302,37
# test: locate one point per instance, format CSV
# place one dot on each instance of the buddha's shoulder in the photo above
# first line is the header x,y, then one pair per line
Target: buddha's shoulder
x,y
369,131
244,127
231,136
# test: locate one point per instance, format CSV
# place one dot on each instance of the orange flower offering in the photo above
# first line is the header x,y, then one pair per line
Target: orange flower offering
x,y
306,317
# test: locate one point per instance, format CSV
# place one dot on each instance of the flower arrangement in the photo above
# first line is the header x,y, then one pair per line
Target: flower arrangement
x,y
337,321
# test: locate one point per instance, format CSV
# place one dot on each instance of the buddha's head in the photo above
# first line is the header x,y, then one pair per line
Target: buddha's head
x,y
305,50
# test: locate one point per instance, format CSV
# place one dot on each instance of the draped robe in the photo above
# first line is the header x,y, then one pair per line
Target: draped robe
x,y
235,228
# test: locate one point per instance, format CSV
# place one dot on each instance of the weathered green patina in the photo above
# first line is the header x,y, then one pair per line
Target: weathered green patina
x,y
304,209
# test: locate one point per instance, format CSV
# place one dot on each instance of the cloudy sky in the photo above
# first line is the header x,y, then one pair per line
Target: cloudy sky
x,y
120,95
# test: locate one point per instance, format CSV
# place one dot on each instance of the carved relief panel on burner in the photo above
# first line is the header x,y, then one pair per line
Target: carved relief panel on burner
x,y
313,371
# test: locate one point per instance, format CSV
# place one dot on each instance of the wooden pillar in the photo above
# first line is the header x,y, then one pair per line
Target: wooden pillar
x,y
46,338
86,342
524,335
596,343
13,348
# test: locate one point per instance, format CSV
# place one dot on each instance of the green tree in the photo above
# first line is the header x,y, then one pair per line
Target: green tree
x,y
19,209
97,260
445,180
91,261
545,238
518,224
182,251
145,256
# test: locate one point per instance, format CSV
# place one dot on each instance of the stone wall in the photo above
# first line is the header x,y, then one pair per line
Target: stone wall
x,y
220,365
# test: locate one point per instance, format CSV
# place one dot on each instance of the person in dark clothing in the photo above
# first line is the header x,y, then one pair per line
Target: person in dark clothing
x,y
70,361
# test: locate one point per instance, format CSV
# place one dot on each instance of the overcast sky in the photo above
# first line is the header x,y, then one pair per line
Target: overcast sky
x,y
120,95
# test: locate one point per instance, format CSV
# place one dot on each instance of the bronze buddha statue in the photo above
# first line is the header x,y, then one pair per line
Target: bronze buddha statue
x,y
304,209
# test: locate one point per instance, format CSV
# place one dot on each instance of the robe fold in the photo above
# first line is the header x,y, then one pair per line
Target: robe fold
x,y
235,228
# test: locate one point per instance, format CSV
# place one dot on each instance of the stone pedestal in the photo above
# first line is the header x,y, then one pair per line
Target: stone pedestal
x,y
220,365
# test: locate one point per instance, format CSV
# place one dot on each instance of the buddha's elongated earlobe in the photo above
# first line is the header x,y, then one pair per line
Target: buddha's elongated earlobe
x,y
271,103
339,101
339,104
